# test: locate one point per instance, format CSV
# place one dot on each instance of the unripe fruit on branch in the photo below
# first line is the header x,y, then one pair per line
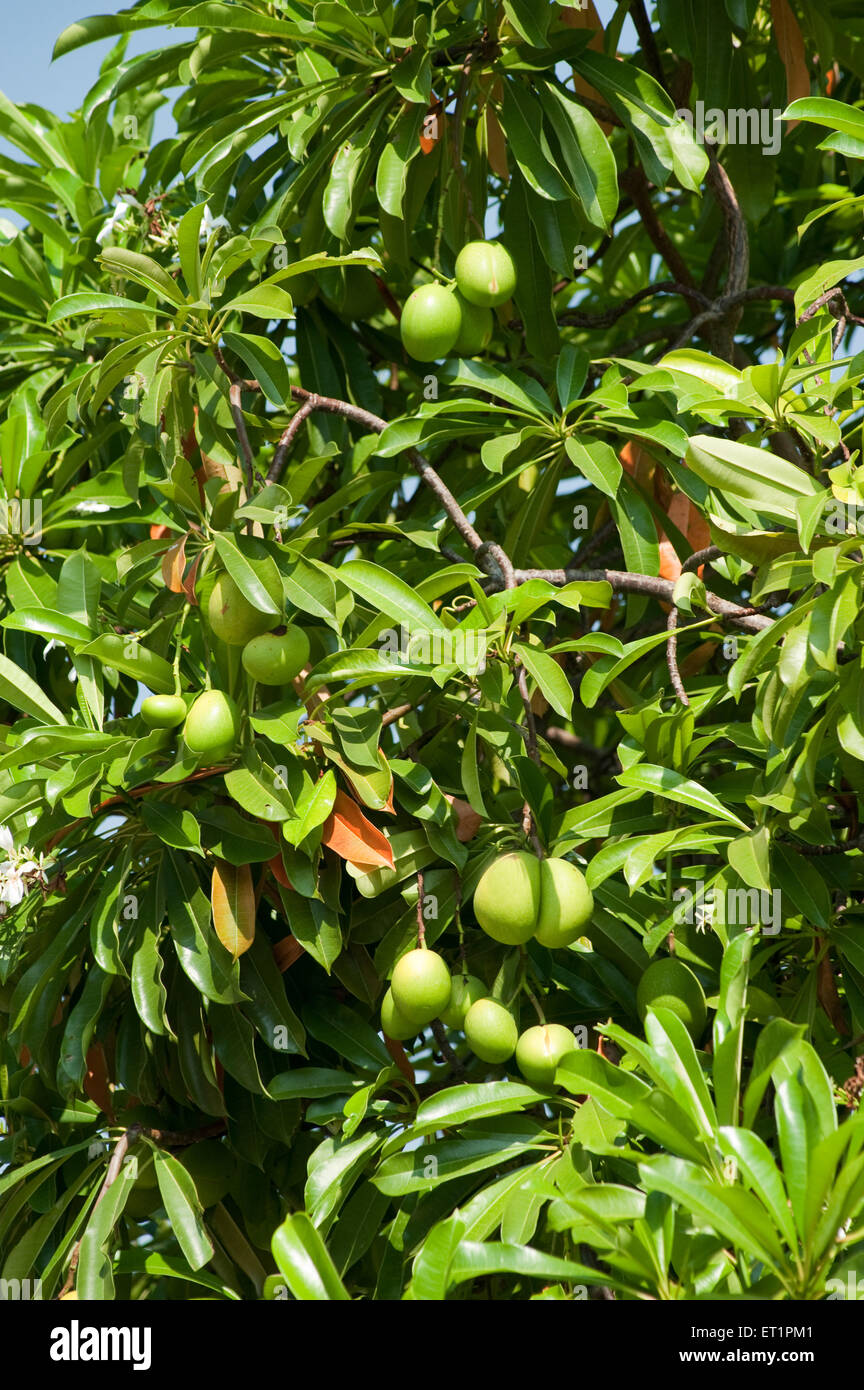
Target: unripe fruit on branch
x,y
276,658
233,619
490,1031
476,329
211,1166
540,1049
421,986
163,711
485,273
670,984
465,991
212,724
430,323
393,1023
520,896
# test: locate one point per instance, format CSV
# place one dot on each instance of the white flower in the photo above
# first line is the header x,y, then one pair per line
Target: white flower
x,y
107,230
90,506
210,224
12,885
6,841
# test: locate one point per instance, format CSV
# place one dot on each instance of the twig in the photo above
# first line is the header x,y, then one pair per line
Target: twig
x,y
626,582
277,467
438,1033
114,1166
421,924
672,656
240,426
647,41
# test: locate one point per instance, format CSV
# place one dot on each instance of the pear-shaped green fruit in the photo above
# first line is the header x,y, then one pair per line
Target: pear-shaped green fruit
x,y
476,329
212,724
421,986
566,903
540,1049
507,898
670,984
210,1164
232,618
163,711
275,659
430,322
393,1023
465,991
490,1031
485,273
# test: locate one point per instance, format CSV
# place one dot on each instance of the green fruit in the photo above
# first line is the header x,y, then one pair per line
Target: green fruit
x,y
465,991
430,323
212,724
210,1165
163,711
476,330
485,273
393,1023
232,617
566,903
146,1179
420,986
540,1049
361,299
670,984
490,1031
276,659
507,898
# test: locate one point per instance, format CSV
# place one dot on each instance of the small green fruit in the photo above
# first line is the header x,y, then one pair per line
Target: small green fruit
x,y
275,659
476,330
490,1031
210,1165
163,711
430,323
465,991
393,1023
670,984
507,898
212,724
540,1049
566,903
421,986
485,273
233,619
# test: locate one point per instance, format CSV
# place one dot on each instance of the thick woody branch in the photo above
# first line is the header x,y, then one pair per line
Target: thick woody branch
x,y
625,582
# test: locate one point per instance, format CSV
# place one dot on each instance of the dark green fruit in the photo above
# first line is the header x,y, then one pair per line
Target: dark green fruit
x,y
420,986
233,619
361,299
212,724
670,984
540,1049
211,1167
566,903
507,898
490,1031
476,329
485,273
393,1023
465,991
430,323
275,659
163,711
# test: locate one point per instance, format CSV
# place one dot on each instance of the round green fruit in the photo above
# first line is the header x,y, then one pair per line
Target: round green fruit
x,y
490,1031
212,724
211,1167
393,1023
430,323
421,986
476,329
233,619
566,903
670,984
163,711
540,1049
465,991
507,898
275,659
485,273
361,299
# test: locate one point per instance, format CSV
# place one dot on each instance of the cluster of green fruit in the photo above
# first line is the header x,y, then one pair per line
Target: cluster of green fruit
x,y
422,990
437,319
520,896
211,723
